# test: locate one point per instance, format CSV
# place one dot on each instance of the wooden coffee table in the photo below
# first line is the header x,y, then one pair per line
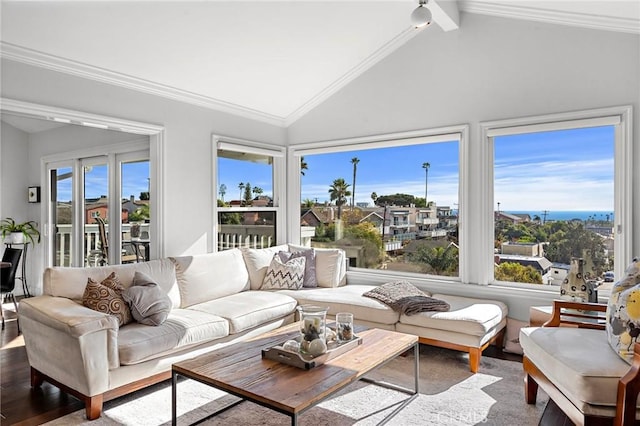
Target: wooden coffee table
x,y
240,370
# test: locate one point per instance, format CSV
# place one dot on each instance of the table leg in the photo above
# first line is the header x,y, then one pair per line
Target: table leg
x,y
294,420
416,366
174,392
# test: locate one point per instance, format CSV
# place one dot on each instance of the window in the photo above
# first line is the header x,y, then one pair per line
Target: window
x,y
561,191
391,204
248,185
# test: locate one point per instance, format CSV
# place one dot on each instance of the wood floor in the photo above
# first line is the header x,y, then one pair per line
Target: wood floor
x,y
21,405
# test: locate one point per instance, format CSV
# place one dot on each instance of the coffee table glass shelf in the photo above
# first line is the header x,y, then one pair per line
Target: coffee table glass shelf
x,y
241,370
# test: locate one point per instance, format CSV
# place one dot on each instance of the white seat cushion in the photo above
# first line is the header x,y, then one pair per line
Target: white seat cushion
x,y
578,361
183,328
249,309
467,315
348,298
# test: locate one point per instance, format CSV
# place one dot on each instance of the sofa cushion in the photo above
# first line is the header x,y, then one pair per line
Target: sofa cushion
x,y
310,280
183,328
210,276
249,309
70,282
282,275
467,315
257,261
331,265
623,312
578,361
348,298
106,297
149,304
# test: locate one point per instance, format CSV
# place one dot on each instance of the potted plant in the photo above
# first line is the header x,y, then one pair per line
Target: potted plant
x,y
19,233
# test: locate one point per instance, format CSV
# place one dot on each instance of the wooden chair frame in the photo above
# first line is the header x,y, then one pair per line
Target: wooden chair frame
x,y
585,315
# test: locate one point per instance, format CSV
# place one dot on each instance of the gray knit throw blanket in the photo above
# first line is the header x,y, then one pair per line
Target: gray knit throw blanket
x,y
404,297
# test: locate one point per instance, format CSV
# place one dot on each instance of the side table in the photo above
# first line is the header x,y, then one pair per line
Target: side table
x,y
538,315
23,269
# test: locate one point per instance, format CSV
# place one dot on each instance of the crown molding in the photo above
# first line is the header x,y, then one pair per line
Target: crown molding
x,y
352,74
55,63
625,25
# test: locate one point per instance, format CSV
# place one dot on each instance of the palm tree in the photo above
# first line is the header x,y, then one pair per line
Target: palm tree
x,y
339,191
354,161
303,165
426,166
222,191
257,190
241,188
374,197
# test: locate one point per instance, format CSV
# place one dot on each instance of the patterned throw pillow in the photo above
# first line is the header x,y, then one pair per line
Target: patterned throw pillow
x,y
310,280
106,297
284,276
623,312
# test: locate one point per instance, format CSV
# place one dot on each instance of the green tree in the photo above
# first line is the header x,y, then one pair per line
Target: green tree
x,y
247,194
368,238
515,272
303,166
339,192
308,203
439,260
140,214
241,188
144,195
222,190
396,200
257,191
354,161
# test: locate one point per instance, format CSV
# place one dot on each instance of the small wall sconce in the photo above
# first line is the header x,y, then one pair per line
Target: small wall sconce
x,y
34,194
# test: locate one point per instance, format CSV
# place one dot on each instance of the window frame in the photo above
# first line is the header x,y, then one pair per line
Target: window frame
x,y
279,184
460,133
621,118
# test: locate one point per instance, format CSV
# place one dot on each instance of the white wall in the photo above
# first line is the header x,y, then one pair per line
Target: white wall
x,y
188,130
491,68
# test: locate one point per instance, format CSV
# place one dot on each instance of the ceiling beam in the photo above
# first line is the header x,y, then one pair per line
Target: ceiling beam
x,y
445,13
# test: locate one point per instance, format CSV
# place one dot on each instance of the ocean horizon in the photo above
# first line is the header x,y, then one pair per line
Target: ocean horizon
x,y
566,214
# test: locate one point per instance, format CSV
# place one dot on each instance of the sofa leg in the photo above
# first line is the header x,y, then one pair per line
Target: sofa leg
x,y
474,359
36,378
93,406
530,389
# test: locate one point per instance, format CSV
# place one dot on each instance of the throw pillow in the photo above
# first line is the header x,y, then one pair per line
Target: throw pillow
x,y
623,312
404,297
284,276
106,297
309,265
149,304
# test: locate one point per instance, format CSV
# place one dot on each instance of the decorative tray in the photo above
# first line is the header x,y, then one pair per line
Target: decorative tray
x,y
305,361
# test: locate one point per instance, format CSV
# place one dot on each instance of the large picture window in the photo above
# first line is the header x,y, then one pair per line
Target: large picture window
x,y
560,192
247,188
391,205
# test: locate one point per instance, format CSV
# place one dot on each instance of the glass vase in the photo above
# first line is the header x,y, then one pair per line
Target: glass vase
x,y
313,321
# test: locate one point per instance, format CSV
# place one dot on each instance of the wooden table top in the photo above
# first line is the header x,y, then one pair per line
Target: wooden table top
x,y
239,368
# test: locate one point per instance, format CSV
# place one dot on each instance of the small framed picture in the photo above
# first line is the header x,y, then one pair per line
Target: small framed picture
x,y
34,194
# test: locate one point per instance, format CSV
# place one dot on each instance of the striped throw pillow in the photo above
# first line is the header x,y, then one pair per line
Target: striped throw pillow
x,y
284,275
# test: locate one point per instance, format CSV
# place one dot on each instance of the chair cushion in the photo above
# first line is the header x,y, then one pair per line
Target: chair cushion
x,y
578,361
623,312
348,298
466,315
183,328
249,309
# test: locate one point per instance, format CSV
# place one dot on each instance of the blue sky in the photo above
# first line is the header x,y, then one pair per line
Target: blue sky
x,y
556,171
134,181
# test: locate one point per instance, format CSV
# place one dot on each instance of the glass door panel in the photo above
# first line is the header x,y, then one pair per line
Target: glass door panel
x,y
95,211
136,212
61,215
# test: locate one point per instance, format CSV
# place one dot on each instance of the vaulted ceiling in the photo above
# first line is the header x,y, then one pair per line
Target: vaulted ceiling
x,y
267,60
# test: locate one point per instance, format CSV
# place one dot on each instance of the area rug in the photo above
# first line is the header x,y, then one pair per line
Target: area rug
x,y
449,395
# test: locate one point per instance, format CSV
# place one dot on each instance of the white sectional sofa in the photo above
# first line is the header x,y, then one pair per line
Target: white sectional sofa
x,y
216,300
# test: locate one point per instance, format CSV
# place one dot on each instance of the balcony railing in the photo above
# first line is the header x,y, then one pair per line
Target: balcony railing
x,y
249,236
91,241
